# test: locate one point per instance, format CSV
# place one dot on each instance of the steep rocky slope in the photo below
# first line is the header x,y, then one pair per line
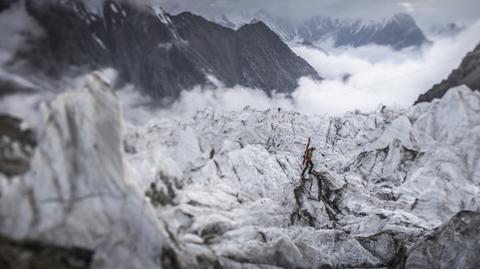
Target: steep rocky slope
x,y
468,73
387,186
163,54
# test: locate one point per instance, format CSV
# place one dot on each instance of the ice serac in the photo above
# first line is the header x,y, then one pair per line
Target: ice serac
x,y
387,187
452,245
161,53
468,73
382,181
79,191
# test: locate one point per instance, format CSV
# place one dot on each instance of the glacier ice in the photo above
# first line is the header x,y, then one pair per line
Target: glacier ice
x,y
392,173
233,196
79,191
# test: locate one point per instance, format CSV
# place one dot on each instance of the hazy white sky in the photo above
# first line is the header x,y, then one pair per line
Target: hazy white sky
x,y
427,12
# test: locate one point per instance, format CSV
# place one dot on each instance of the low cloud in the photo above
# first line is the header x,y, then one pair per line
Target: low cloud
x,y
362,78
139,109
355,79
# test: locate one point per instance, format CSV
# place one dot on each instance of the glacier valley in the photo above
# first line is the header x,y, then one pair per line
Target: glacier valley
x,y
390,189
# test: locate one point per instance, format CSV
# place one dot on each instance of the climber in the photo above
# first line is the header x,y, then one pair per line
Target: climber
x,y
307,160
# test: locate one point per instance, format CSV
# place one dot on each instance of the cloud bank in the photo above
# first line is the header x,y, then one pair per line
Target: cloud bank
x,y
355,79
377,75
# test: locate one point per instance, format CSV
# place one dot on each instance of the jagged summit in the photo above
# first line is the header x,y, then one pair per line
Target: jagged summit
x,y
399,31
254,25
403,18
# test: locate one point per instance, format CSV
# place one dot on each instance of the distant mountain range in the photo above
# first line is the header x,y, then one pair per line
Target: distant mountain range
x,y
399,32
163,54
468,73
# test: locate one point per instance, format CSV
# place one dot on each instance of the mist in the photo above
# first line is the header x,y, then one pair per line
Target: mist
x,y
139,109
363,79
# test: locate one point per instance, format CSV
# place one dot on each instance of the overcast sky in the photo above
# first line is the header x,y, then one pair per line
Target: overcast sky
x,y
427,12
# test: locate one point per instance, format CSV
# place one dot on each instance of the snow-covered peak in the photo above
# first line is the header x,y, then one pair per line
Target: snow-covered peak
x,y
403,18
344,31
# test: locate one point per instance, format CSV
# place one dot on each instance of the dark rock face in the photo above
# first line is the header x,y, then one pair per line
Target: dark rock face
x,y
455,244
16,146
15,254
10,86
5,4
468,73
163,54
252,65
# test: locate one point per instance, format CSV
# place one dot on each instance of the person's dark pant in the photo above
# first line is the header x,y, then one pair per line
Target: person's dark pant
x,y
309,166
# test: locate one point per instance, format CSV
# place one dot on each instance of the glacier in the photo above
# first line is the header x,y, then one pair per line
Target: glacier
x,y
390,189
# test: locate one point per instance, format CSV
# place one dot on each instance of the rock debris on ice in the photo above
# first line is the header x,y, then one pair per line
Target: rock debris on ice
x,y
231,193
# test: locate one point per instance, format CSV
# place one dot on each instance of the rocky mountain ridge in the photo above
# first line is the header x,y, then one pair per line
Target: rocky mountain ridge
x,y
400,31
161,53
